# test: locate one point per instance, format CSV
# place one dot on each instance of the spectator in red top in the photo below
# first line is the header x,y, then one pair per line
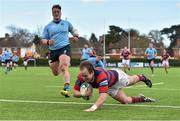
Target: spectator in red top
x,y
109,82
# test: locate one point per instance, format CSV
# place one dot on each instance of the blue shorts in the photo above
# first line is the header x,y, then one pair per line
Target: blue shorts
x,y
8,61
54,54
15,62
149,60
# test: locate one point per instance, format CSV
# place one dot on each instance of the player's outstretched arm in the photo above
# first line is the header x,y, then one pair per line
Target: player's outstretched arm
x,y
101,99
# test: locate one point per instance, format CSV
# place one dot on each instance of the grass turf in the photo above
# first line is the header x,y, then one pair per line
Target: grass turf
x,y
38,84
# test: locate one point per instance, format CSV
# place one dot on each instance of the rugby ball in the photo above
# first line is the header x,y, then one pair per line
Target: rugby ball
x,y
85,89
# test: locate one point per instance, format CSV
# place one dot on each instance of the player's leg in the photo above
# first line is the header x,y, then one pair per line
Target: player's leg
x,y
3,65
137,78
124,64
128,64
93,61
126,80
166,66
55,68
125,68
64,69
124,99
10,65
99,63
14,65
25,64
7,66
152,66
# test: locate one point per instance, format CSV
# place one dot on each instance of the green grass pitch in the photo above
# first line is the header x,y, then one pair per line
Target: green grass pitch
x,y
34,95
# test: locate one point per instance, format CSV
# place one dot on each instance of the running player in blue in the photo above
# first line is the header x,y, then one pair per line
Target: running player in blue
x,y
3,60
55,35
86,51
15,60
89,54
151,53
8,56
96,61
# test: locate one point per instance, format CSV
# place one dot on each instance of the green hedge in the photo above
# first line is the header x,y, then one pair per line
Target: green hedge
x,y
76,62
44,62
174,63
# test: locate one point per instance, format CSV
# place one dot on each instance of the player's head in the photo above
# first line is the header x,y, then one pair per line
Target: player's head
x,y
125,48
164,51
56,12
98,58
150,45
85,46
14,52
87,71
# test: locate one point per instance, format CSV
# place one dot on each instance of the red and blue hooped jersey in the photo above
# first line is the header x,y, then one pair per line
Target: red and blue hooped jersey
x,y
103,79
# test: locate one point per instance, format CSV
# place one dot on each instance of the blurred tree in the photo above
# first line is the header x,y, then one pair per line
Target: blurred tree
x,y
40,48
23,35
156,36
114,34
93,38
172,33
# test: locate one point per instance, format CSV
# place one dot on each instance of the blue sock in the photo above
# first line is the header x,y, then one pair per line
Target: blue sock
x,y
66,87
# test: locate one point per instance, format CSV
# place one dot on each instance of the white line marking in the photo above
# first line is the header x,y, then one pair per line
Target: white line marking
x,y
54,86
78,103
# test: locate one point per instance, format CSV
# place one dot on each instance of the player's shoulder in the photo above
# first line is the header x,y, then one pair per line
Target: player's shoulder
x,y
147,49
48,25
99,69
100,73
66,22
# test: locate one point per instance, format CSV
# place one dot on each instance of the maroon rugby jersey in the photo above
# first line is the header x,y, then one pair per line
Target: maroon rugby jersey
x,y
165,56
125,54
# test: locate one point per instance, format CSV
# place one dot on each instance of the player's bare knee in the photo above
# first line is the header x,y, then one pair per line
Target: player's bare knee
x,y
63,67
125,101
55,73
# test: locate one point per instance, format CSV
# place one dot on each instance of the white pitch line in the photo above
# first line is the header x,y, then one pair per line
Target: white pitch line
x,y
77,103
54,86
160,83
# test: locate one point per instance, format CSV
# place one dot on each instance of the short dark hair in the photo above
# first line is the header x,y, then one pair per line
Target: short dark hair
x,y
88,65
56,6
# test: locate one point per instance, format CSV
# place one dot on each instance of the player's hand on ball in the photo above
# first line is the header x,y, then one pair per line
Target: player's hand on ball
x,y
86,91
